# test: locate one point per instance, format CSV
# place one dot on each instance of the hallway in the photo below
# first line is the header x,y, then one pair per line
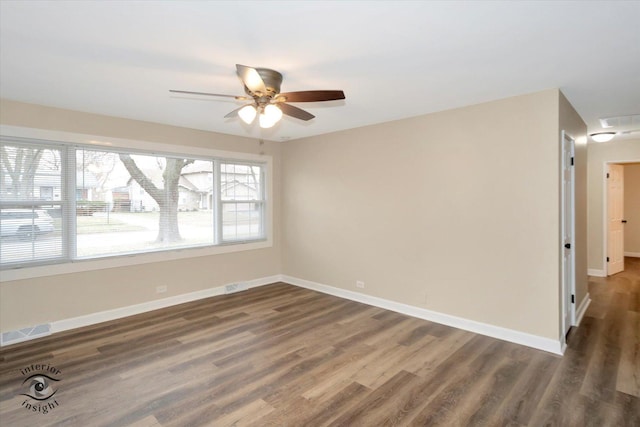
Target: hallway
x,y
599,376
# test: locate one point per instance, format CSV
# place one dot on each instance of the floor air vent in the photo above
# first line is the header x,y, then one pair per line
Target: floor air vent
x,y
14,337
235,287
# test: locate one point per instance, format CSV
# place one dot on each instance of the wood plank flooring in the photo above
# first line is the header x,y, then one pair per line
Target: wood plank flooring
x,y
285,356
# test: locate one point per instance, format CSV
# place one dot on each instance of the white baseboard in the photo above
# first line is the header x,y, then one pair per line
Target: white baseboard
x,y
510,335
117,313
632,254
596,273
529,340
582,308
104,316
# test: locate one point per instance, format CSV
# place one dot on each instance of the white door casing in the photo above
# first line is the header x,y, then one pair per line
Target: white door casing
x,y
567,233
615,216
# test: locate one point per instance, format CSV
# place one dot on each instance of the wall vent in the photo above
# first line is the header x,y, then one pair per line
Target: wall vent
x,y
26,334
235,287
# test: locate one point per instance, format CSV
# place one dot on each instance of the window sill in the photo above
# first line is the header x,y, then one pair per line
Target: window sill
x,y
21,273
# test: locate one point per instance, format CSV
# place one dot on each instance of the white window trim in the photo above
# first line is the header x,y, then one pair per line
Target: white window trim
x,y
77,266
220,203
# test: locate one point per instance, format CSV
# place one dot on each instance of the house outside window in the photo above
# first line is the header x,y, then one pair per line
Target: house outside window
x,y
46,193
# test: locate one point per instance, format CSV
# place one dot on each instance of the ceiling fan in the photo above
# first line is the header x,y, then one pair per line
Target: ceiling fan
x,y
262,85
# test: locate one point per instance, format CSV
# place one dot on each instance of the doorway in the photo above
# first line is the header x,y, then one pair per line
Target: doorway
x,y
617,215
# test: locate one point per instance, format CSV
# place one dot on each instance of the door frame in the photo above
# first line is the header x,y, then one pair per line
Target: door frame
x,y
567,290
605,210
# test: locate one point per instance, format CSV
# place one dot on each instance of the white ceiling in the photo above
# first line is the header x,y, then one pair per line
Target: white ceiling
x,y
393,59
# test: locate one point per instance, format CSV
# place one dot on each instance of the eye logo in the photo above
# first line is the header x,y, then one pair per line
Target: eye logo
x,y
39,387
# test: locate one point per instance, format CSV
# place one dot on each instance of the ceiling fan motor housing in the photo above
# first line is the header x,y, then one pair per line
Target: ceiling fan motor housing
x,y
272,81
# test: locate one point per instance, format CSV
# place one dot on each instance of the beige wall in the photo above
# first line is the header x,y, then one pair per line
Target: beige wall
x,y
632,209
32,301
456,212
575,127
598,156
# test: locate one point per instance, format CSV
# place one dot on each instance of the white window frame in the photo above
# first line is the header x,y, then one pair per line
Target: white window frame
x,y
221,203
69,265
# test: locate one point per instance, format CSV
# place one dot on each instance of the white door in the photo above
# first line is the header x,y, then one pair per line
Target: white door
x,y
568,244
615,212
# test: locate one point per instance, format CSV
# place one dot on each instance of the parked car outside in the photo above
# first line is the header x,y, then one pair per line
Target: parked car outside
x,y
25,223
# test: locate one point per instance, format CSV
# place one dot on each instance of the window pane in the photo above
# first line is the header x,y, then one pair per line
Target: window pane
x,y
240,182
30,224
30,234
30,173
238,185
132,203
241,221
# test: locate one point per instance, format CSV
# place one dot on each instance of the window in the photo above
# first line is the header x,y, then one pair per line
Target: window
x,y
30,225
242,201
63,202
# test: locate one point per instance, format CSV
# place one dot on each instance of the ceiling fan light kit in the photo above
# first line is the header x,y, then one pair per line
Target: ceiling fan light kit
x,y
263,85
247,114
270,116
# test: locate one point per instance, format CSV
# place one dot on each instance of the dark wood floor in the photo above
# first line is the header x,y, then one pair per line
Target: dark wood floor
x,y
284,356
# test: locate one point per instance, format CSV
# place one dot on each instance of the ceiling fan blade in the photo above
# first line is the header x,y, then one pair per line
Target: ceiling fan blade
x,y
311,96
251,79
238,97
296,112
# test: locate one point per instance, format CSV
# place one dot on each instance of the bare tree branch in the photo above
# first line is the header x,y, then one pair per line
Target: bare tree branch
x,y
23,170
141,178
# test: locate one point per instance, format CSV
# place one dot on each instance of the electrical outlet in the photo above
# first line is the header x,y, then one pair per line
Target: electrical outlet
x,y
359,284
161,289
